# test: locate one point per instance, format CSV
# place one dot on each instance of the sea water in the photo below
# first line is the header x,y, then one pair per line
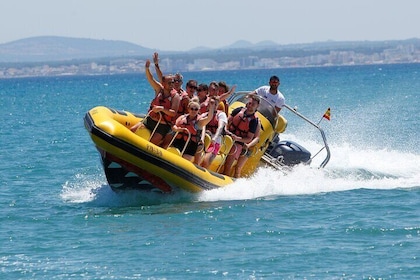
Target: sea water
x,y
358,218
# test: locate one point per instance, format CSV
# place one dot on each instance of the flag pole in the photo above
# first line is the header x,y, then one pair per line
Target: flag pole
x,y
320,120
327,115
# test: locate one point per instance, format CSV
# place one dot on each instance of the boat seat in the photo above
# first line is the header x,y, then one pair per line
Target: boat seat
x,y
227,143
174,150
207,141
281,124
144,133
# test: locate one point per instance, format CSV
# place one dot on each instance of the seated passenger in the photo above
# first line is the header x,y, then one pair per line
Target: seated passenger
x,y
162,108
203,99
189,127
224,93
247,152
242,126
185,98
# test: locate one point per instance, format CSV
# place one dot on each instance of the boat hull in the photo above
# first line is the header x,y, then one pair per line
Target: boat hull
x,y
130,160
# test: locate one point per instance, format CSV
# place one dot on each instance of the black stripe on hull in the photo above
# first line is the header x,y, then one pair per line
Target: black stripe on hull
x,y
156,161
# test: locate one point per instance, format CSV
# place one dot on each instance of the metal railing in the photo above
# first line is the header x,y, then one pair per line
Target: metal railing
x,y
328,156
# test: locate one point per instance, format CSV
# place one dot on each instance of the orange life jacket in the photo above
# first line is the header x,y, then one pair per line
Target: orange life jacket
x,y
204,106
240,123
213,123
183,106
192,126
160,100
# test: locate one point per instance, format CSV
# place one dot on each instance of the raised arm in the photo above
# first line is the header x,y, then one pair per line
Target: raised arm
x,y
227,94
155,84
205,120
157,68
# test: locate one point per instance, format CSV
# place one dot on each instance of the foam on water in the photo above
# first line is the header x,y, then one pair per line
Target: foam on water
x,y
349,169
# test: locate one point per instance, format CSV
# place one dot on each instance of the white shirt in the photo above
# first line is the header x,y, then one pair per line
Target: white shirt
x,y
275,99
221,117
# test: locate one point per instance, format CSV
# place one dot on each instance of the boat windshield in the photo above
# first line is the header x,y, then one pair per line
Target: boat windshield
x,y
265,107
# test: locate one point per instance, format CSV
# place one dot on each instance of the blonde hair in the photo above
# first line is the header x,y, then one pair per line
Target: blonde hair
x,y
194,101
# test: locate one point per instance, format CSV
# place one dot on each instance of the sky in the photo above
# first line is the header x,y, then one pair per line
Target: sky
x,y
182,25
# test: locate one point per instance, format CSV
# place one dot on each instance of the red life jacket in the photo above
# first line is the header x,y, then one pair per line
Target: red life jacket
x,y
160,100
213,123
191,125
204,106
183,107
240,123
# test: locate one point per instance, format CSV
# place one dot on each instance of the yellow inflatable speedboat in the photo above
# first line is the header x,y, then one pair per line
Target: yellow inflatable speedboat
x,y
130,161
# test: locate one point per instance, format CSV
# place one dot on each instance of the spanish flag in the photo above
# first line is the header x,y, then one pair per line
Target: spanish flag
x,y
327,114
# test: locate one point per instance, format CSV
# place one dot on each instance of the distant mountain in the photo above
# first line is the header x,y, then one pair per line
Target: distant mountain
x,y
242,44
54,48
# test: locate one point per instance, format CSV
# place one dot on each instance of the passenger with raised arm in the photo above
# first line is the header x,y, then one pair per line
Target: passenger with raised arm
x,y
189,128
224,93
214,91
162,108
178,81
242,127
182,109
272,93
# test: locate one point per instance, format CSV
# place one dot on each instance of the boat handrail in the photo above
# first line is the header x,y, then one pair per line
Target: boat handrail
x,y
186,142
327,158
156,126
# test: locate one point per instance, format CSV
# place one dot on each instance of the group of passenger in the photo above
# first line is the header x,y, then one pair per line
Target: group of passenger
x,y
182,118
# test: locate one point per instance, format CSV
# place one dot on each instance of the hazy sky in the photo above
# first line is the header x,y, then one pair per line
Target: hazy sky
x,y
186,24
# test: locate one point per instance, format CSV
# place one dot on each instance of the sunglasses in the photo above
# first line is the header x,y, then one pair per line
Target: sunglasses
x,y
194,109
177,81
193,87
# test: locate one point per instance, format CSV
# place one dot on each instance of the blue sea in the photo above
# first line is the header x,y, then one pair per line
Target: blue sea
x,y
358,218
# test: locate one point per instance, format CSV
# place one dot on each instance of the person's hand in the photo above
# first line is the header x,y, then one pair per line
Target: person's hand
x,y
212,103
156,58
157,109
147,64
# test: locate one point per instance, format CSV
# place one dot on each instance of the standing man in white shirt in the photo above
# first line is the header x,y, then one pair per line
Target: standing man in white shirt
x,y
272,93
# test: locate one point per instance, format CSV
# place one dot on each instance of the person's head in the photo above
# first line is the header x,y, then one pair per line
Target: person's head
x,y
191,87
274,82
223,87
253,102
202,91
168,82
215,100
213,88
178,79
194,106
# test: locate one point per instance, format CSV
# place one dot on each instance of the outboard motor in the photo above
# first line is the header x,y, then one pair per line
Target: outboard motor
x,y
290,153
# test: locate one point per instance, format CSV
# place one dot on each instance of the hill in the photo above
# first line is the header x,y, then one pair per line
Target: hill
x,y
54,48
